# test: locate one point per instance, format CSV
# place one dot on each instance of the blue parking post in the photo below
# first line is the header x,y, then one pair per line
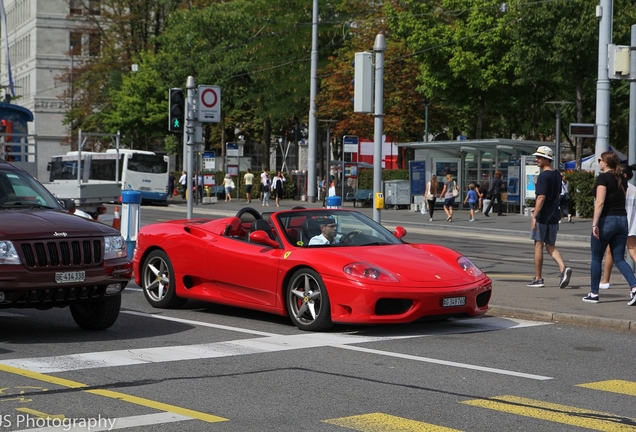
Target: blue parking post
x,y
130,218
334,201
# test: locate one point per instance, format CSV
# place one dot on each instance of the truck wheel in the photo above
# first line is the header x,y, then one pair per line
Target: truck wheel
x,y
96,315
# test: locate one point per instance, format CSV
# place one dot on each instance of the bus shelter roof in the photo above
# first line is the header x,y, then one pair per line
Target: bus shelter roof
x,y
492,144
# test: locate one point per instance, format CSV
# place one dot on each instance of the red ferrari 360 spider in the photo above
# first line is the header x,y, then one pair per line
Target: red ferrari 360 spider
x,y
317,266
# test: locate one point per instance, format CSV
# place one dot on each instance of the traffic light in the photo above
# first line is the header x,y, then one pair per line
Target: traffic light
x,y
176,110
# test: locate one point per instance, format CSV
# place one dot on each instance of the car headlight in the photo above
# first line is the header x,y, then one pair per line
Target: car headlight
x,y
115,247
470,268
8,254
369,272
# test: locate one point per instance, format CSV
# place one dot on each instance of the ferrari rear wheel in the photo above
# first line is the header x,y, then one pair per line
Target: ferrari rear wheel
x,y
308,302
157,283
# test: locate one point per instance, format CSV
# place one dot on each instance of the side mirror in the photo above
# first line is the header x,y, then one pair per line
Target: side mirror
x,y
261,237
399,232
68,204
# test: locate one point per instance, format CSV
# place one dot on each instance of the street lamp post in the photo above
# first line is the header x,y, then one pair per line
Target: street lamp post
x,y
426,104
557,142
72,91
328,156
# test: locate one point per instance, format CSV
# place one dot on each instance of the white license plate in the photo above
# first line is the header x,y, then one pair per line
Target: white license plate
x,y
76,276
454,301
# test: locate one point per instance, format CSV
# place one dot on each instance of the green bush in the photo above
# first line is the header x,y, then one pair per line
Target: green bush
x,y
581,187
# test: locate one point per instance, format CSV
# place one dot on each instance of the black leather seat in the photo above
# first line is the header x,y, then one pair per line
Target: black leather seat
x,y
262,225
310,229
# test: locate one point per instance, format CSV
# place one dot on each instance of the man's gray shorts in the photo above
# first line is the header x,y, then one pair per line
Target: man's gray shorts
x,y
545,233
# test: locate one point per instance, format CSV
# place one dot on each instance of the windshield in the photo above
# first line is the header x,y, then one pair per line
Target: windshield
x,y
18,190
337,229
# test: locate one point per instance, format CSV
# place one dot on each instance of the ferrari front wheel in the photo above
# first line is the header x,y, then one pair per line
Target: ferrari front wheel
x,y
157,282
308,302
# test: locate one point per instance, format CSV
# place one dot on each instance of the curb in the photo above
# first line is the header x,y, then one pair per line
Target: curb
x,y
559,317
502,232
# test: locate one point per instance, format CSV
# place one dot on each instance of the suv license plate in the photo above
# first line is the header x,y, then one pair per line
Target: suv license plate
x,y
65,277
454,301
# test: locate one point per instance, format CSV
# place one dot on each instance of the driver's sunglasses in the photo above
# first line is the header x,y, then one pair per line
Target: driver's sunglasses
x,y
332,226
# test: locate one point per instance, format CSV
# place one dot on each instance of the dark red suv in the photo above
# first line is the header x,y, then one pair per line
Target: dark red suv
x,y
51,258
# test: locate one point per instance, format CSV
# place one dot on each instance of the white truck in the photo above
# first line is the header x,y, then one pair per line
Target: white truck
x,y
89,194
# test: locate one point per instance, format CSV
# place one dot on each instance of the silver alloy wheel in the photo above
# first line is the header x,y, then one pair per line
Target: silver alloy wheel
x,y
308,301
156,278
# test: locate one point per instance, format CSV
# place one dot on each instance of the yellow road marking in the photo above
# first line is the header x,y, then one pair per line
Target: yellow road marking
x,y
113,394
613,386
556,413
41,414
380,422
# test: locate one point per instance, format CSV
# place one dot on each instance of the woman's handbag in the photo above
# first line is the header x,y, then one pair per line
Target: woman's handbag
x,y
429,196
455,191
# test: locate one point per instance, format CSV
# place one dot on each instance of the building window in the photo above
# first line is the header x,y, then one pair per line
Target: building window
x,y
76,43
94,44
94,7
76,7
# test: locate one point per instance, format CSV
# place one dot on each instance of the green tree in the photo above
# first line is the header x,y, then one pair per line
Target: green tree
x,y
462,48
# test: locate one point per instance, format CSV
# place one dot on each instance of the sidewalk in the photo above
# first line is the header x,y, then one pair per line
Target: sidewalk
x,y
509,290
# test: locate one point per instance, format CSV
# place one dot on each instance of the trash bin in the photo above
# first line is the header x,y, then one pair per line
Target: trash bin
x,y
334,201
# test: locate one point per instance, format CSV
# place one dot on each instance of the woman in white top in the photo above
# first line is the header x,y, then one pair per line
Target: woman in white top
x,y
564,198
277,187
430,196
228,184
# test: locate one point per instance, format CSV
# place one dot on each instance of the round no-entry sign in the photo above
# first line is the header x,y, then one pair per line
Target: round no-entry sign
x,y
209,98
209,104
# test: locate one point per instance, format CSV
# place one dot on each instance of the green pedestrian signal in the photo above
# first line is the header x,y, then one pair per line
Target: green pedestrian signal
x,y
176,110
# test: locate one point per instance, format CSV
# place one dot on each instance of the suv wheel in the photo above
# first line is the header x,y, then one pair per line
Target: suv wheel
x,y
96,315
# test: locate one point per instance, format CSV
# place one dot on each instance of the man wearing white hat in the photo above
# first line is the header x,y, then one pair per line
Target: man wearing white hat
x,y
545,218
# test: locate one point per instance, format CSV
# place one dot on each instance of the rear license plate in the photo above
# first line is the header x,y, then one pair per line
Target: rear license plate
x,y
66,277
454,301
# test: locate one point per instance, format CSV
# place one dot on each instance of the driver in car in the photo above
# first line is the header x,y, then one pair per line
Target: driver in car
x,y
328,231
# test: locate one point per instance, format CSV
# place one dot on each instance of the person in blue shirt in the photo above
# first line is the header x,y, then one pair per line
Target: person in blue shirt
x,y
472,199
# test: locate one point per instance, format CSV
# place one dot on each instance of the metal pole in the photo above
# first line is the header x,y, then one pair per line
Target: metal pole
x,y
327,156
604,12
188,139
631,154
631,157
79,156
557,145
311,157
426,127
557,139
378,47
72,90
117,160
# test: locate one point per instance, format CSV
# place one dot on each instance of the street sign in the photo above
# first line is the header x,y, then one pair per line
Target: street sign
x,y
209,104
350,143
583,130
